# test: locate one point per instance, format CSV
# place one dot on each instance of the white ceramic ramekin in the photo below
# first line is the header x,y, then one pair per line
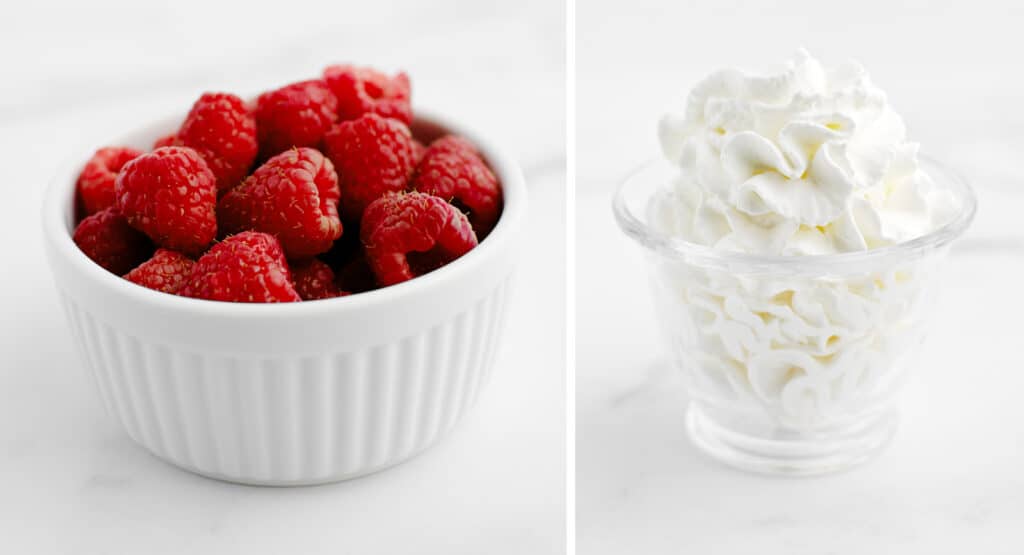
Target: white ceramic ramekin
x,y
289,394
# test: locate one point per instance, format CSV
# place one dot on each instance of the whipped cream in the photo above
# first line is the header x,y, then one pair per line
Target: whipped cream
x,y
808,353
807,161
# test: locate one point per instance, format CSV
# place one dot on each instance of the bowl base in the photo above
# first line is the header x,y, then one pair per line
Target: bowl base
x,y
288,482
790,454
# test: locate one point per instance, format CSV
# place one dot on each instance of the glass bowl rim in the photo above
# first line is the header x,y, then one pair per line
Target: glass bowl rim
x,y
674,247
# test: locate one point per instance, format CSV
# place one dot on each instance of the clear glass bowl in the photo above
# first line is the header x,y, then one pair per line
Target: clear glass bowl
x,y
793,364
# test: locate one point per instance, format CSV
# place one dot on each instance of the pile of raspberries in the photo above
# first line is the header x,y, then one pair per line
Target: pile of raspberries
x,y
311,191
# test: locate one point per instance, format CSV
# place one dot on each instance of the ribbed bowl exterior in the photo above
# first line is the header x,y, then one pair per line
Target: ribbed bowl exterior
x,y
292,420
290,393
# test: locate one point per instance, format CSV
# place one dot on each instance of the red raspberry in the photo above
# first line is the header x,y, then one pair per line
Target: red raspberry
x,y
96,182
418,150
170,194
109,241
167,140
373,156
362,90
294,196
166,271
223,132
453,169
245,268
295,115
314,280
410,234
454,143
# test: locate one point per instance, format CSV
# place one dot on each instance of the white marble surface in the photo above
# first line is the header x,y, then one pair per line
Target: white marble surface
x,y
72,481
951,482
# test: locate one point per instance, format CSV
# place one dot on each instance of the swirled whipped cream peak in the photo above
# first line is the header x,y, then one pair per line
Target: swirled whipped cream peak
x,y
807,161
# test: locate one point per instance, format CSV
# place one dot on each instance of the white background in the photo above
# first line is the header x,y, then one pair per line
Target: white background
x,y
78,73
952,481
75,73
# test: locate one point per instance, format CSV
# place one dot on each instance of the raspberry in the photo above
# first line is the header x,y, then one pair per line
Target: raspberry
x,y
455,143
373,156
109,241
410,234
166,271
362,90
167,140
453,169
418,150
246,268
96,182
223,132
315,280
170,194
295,115
294,196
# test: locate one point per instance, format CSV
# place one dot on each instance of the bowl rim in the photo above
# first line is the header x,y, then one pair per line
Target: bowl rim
x,y
674,247
60,195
